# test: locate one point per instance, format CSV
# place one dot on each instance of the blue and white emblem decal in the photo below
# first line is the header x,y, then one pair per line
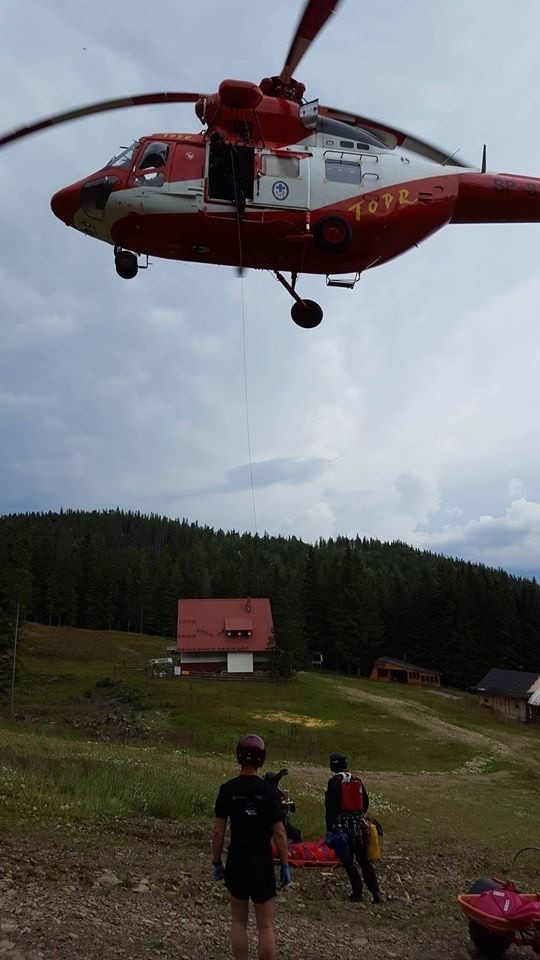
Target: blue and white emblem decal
x,y
280,190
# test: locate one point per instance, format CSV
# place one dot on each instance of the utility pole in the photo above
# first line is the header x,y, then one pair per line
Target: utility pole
x,y
12,707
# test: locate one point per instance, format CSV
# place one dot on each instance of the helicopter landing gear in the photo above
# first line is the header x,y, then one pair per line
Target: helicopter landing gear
x,y
305,313
126,264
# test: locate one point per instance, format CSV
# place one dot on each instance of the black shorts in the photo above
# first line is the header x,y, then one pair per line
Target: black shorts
x,y
250,878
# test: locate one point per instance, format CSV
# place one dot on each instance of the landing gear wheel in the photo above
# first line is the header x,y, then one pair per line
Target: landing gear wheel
x,y
306,314
126,264
332,234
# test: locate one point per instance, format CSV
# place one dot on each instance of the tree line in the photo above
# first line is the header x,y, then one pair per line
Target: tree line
x,y
350,599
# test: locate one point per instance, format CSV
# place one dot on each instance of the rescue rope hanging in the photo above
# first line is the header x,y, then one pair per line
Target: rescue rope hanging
x,y
244,362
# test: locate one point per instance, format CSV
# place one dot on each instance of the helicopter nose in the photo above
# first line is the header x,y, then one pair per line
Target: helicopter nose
x,y
65,204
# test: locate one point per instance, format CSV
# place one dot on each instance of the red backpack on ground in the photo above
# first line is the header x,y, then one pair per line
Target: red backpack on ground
x,y
509,905
351,792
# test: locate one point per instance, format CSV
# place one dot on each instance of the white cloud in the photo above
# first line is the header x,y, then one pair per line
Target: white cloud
x,y
403,416
515,488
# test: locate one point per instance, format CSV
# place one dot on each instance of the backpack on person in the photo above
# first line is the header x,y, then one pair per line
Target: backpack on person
x,y
351,792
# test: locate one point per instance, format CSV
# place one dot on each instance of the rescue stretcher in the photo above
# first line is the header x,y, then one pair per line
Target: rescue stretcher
x,y
310,853
499,916
319,853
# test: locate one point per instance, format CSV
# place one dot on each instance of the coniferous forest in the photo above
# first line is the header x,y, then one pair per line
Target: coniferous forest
x,y
351,599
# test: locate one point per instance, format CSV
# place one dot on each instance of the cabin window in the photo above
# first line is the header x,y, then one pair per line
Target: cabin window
x,y
342,171
348,144
272,166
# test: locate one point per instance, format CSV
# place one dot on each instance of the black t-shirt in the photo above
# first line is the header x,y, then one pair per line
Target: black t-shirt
x,y
252,808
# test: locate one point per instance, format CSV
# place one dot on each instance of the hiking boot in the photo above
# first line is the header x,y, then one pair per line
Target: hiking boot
x,y
355,897
378,898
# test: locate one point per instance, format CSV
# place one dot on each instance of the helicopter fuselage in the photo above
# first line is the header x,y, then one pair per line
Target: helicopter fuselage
x,y
323,205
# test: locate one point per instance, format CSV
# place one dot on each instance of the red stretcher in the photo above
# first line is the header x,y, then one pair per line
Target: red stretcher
x,y
310,853
500,916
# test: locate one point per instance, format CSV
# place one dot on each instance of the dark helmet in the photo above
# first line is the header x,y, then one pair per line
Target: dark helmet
x,y
338,762
251,751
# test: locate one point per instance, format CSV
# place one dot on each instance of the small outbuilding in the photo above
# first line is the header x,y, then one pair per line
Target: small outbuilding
x,y
512,692
388,670
225,636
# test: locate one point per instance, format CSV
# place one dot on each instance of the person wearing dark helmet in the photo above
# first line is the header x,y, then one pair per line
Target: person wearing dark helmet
x,y
251,807
346,803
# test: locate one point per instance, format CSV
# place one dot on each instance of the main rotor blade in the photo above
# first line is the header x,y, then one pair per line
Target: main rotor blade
x,y
315,15
140,100
392,137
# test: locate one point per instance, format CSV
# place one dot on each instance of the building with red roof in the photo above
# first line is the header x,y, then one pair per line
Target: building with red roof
x,y
233,636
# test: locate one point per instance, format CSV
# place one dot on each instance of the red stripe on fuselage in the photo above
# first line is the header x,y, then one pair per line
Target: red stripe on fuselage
x,y
384,223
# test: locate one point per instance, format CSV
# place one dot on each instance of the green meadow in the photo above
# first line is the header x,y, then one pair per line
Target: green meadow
x,y
99,752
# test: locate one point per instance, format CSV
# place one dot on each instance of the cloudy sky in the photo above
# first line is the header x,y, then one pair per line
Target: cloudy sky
x,y
411,413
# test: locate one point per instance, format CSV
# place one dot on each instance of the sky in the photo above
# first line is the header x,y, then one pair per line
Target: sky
x,y
411,413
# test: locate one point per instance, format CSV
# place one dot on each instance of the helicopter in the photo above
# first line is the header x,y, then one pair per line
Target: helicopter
x,y
276,182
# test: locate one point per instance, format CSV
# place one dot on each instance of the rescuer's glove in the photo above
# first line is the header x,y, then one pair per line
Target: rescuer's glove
x,y
218,871
284,875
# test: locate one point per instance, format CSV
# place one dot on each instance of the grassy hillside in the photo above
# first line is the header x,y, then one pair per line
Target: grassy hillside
x,y
99,750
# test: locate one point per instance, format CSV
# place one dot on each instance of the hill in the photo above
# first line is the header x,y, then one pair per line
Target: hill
x,y
351,599
107,771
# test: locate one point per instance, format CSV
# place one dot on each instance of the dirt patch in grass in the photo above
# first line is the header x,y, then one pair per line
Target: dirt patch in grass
x,y
312,723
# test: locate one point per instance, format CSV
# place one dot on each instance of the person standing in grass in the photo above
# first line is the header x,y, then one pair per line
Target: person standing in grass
x,y
346,803
251,807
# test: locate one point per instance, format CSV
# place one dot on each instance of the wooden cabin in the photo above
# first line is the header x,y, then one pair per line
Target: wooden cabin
x,y
388,670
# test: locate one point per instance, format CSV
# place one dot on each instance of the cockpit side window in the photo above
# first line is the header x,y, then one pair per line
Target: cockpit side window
x,y
155,155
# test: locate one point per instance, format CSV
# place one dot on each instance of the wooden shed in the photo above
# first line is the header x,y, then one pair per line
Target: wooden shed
x,y
511,692
388,670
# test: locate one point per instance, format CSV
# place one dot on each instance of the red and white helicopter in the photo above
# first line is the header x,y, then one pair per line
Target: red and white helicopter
x,y
276,183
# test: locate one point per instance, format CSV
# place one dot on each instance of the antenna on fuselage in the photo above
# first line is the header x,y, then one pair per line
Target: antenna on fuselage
x,y
483,170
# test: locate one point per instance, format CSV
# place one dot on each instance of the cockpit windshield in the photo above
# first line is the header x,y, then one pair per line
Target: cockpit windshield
x,y
125,158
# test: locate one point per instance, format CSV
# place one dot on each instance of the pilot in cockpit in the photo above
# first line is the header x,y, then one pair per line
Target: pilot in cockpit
x,y
155,156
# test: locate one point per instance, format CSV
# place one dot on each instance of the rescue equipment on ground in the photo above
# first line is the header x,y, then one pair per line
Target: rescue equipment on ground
x,y
500,916
310,853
